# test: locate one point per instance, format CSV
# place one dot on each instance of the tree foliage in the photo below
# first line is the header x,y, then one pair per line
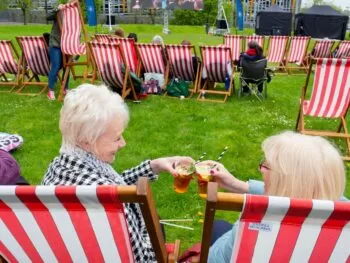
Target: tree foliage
x,y
25,6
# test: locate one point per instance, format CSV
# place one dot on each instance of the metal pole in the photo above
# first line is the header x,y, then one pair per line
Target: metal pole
x,y
46,11
166,22
110,16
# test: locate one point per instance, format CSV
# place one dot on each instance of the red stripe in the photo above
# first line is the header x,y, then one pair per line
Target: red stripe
x,y
254,211
330,232
331,97
81,222
45,221
6,254
315,87
14,226
345,91
290,228
109,199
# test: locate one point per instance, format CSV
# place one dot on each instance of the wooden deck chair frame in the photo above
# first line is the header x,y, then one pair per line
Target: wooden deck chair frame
x,y
141,193
196,72
16,57
24,72
304,62
126,89
229,39
203,89
282,53
68,60
339,46
300,124
142,63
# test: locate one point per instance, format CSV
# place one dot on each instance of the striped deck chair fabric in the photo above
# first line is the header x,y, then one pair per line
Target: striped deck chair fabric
x,y
151,57
105,38
343,49
9,64
36,54
75,223
331,89
277,48
180,58
259,39
280,229
71,30
216,61
322,49
297,49
235,43
129,50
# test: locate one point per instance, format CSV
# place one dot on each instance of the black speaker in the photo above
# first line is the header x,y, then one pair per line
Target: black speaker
x,y
221,24
112,20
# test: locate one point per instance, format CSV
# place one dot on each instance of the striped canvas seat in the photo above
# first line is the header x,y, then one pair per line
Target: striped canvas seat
x,y
129,50
281,229
73,223
235,43
330,96
216,67
322,48
35,58
277,48
258,39
108,59
150,55
343,49
9,63
181,63
297,52
71,23
102,38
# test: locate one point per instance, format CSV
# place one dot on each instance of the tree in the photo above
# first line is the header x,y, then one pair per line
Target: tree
x,y
4,4
26,6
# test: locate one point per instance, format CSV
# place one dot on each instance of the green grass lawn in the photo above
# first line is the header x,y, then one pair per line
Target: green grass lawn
x,y
164,126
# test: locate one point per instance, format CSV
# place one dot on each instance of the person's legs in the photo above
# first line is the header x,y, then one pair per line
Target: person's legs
x,y
220,227
56,64
261,87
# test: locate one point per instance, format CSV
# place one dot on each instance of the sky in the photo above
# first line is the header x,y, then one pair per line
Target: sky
x,y
342,3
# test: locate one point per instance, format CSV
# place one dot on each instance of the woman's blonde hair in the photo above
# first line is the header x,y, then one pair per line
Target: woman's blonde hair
x,y
303,166
86,113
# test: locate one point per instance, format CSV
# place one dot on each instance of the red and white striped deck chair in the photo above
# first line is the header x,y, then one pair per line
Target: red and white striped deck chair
x,y
329,99
35,59
181,64
9,64
343,49
151,60
322,49
129,50
235,43
105,38
75,223
216,67
276,50
108,59
282,229
297,53
258,39
71,23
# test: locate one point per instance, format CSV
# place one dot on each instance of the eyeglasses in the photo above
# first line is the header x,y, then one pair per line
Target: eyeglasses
x,y
263,165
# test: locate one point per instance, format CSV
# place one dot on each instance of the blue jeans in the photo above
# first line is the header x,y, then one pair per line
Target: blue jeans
x,y
55,54
220,227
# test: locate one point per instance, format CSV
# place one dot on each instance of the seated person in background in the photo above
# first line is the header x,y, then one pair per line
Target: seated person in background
x,y
119,32
133,36
92,122
10,172
287,170
253,53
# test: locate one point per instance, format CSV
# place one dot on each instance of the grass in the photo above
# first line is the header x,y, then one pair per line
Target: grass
x,y
164,126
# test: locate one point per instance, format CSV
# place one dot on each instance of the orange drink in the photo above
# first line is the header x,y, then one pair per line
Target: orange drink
x,y
183,178
203,177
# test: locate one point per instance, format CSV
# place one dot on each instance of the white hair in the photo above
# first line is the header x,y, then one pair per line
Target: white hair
x,y
157,39
87,112
303,166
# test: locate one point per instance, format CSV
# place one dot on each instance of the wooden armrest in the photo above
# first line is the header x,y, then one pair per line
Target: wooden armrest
x,y
173,255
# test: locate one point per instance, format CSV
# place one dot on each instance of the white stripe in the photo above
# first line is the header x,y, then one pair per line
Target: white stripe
x,y
99,222
60,216
276,211
338,88
317,96
341,251
27,220
11,244
329,86
311,229
346,89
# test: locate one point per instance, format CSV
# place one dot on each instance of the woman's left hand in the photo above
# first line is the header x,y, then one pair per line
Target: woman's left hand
x,y
167,164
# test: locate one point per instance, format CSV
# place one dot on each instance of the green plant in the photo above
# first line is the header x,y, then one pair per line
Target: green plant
x,y
25,6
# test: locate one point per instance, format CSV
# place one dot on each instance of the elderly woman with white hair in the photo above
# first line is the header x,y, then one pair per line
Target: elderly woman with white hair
x,y
296,166
92,123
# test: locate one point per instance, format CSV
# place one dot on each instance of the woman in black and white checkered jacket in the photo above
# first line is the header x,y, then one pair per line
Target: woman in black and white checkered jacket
x,y
92,123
